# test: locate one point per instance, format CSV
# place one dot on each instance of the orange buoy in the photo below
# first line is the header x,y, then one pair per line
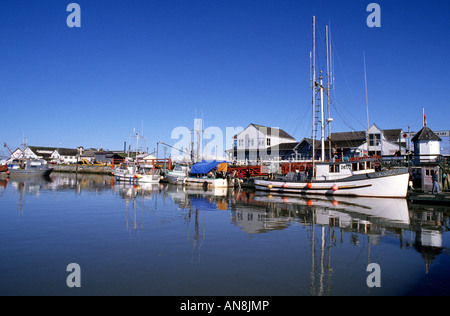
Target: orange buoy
x,y
309,185
270,186
309,203
334,187
285,185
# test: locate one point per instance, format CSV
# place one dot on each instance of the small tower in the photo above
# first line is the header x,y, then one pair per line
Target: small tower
x,y
426,151
426,144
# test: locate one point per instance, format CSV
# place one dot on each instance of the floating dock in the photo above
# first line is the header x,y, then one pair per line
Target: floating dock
x,y
429,198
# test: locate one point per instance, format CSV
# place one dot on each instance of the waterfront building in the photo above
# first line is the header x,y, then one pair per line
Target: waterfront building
x,y
258,142
427,159
49,154
426,144
380,142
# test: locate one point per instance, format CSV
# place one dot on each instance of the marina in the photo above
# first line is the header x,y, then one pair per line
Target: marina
x,y
282,157
164,239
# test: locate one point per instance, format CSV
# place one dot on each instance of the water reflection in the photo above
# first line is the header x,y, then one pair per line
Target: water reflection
x,y
329,226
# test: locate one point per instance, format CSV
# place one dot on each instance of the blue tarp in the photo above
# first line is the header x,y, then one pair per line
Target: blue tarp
x,y
204,166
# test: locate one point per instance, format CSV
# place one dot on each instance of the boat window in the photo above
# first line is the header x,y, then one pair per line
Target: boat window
x,y
362,166
354,166
334,168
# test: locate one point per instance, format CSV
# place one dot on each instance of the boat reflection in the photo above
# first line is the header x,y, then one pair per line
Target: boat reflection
x,y
329,221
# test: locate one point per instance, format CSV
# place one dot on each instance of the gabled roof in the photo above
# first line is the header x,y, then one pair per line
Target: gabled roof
x,y
348,139
67,151
392,134
425,134
284,146
269,131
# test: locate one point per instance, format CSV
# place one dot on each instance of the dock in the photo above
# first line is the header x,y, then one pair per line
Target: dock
x,y
89,169
429,198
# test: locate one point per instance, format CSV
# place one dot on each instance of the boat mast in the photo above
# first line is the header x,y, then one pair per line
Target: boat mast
x,y
367,103
313,89
322,125
328,47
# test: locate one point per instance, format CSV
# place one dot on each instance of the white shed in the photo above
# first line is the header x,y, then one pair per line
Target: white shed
x,y
426,144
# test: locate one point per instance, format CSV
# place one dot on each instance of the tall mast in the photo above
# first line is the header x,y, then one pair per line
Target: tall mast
x,y
367,104
322,125
328,47
313,87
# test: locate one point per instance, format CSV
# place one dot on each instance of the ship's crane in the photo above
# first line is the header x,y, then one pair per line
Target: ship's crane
x,y
186,151
4,145
183,151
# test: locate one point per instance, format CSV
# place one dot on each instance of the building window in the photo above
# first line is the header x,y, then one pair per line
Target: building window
x,y
260,141
374,139
241,143
251,142
268,142
235,143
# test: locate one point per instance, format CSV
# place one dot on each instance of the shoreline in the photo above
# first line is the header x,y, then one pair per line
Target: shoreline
x,y
104,170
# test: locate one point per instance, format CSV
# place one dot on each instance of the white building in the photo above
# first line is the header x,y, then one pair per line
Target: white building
x,y
50,154
383,142
257,142
427,144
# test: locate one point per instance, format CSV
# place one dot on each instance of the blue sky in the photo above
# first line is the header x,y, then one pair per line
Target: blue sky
x,y
159,64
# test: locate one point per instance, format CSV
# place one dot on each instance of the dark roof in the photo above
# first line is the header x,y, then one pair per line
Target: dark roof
x,y
269,131
284,146
67,151
37,149
348,139
425,134
392,135
44,152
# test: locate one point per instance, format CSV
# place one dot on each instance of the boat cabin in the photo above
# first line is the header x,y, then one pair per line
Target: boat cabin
x,y
344,169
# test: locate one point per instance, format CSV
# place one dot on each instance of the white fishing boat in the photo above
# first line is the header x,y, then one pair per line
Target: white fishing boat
x,y
206,182
148,175
130,172
347,181
360,177
208,174
178,174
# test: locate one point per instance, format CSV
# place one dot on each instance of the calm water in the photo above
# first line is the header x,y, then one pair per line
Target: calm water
x,y
165,240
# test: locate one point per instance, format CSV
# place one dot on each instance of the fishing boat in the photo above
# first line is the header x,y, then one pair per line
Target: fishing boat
x,y
3,168
359,176
131,172
178,174
209,174
25,167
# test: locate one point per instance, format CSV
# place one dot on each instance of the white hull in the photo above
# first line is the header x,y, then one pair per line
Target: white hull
x,y
129,175
138,178
175,178
206,182
389,183
390,211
